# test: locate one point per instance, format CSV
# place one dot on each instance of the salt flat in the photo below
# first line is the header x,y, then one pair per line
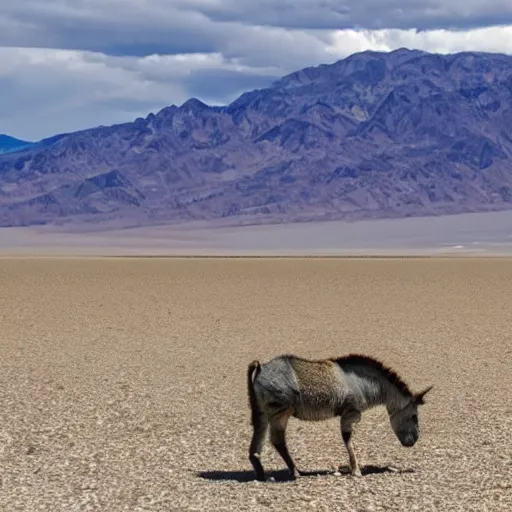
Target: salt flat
x,y
487,234
123,381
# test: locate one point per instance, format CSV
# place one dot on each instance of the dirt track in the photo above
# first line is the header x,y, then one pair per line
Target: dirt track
x,y
123,382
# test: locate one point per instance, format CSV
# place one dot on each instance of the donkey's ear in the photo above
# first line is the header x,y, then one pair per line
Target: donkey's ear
x,y
419,397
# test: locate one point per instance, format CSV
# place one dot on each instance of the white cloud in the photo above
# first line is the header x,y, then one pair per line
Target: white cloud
x,y
488,39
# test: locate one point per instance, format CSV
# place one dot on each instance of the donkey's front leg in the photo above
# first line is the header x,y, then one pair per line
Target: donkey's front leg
x,y
348,420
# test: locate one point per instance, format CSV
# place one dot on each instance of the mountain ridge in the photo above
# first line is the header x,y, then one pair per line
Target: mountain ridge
x,y
374,135
11,144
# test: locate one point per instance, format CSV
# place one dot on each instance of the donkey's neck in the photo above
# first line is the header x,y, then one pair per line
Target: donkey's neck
x,y
369,389
395,399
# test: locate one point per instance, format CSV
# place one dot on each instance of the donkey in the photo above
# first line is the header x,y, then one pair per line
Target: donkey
x,y
314,390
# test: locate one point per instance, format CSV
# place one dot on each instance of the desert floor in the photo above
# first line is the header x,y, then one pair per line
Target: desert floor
x,y
123,382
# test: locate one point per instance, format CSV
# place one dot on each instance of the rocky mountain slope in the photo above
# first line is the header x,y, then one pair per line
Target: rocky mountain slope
x,y
373,135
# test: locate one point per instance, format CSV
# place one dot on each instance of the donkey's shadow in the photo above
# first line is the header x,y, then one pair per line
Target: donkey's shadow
x,y
284,475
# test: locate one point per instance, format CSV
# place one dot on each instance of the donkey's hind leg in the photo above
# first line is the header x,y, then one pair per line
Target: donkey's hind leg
x,y
348,420
258,438
278,425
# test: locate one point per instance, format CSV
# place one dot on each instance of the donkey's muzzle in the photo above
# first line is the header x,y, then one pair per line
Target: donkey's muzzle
x,y
409,440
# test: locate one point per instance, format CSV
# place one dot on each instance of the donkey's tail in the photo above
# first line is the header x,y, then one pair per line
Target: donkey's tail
x,y
252,372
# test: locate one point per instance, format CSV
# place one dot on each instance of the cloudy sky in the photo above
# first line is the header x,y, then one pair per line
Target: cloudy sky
x,y
72,64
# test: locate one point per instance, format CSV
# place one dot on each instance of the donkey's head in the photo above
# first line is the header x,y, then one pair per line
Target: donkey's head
x,y
405,421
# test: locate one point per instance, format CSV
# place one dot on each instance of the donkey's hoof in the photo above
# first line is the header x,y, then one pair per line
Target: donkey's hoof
x,y
356,473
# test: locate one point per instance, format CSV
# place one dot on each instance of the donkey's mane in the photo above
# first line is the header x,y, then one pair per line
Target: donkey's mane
x,y
386,372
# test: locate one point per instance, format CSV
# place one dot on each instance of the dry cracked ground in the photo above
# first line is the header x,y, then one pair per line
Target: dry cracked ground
x,y
122,382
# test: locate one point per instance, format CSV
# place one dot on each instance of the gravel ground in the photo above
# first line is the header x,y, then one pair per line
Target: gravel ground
x,y
123,382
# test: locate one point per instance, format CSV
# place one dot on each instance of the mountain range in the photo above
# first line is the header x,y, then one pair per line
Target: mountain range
x,y
404,133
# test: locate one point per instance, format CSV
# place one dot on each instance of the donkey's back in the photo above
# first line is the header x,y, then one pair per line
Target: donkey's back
x,y
309,390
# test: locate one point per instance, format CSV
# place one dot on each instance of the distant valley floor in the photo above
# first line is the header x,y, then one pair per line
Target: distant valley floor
x,y
486,234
